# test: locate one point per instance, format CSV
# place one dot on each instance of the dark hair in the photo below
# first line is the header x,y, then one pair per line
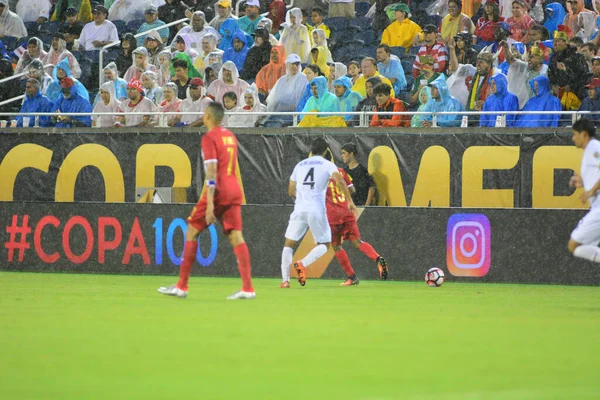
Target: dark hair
x,y
33,41
179,63
495,12
350,148
457,2
354,62
585,125
385,47
318,146
216,110
382,88
576,40
593,47
318,10
315,68
543,29
374,80
230,95
304,13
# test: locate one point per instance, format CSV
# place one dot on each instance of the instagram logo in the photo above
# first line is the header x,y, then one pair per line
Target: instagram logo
x,y
468,245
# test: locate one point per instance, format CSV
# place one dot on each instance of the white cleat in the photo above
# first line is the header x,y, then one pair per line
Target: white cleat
x,y
173,290
242,295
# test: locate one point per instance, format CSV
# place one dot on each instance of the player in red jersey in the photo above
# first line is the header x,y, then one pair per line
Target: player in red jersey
x,y
221,200
344,226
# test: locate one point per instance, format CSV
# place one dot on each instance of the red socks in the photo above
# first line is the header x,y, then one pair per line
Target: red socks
x,y
368,250
243,258
185,269
344,261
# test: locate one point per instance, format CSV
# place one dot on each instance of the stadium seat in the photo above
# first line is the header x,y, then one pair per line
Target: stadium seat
x,y
410,81
398,51
345,53
336,23
120,25
32,28
407,66
111,55
361,8
133,26
414,50
363,23
433,20
52,27
78,55
93,56
409,58
368,51
369,37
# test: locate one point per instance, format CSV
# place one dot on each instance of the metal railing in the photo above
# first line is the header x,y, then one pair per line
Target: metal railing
x,y
17,76
160,118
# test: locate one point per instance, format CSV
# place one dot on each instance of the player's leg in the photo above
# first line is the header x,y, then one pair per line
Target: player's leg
x,y
297,227
344,260
180,289
319,226
584,239
287,254
353,234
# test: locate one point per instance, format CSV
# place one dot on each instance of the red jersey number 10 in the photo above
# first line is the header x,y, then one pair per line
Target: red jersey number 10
x,y
337,196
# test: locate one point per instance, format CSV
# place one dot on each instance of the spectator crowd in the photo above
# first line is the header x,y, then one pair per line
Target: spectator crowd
x,y
334,57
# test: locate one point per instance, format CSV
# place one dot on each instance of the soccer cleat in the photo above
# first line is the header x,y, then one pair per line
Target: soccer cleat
x,y
351,281
241,295
383,268
285,285
301,270
173,290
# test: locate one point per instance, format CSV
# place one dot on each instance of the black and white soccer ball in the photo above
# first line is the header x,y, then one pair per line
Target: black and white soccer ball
x,y
435,277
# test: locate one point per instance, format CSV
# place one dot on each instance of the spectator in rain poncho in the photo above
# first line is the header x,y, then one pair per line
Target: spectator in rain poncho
x,y
276,16
192,71
520,72
171,103
318,56
164,72
111,74
136,102
270,73
70,101
127,10
575,8
555,15
592,101
424,96
228,81
295,38
61,71
346,99
209,45
368,103
268,25
311,71
35,102
320,40
154,45
139,66
587,23
125,57
151,90
288,90
391,67
182,45
442,101
196,101
258,56
10,23
238,52
251,104
36,71
227,30
542,101
58,52
211,73
35,51
337,71
107,104
324,101
223,13
197,30
500,99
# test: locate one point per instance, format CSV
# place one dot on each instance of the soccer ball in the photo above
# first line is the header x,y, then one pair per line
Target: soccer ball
x,y
435,277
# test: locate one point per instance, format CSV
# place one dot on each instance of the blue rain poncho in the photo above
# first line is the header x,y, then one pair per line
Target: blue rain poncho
x,y
393,70
502,100
349,100
238,57
35,104
446,103
326,101
557,18
543,101
74,104
53,91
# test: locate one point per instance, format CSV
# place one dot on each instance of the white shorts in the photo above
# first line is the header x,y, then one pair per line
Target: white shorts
x,y
301,221
588,229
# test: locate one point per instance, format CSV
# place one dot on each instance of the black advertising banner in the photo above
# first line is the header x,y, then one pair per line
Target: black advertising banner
x,y
419,170
474,245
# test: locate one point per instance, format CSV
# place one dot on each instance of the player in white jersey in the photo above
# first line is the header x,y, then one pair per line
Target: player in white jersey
x,y
308,184
585,238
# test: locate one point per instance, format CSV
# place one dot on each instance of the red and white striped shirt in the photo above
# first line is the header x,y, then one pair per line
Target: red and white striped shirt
x,y
438,51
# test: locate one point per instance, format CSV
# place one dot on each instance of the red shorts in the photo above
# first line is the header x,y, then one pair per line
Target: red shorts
x,y
229,215
344,231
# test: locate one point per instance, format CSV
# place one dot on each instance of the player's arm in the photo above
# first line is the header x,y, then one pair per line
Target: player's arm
x,y
211,176
589,193
292,189
339,179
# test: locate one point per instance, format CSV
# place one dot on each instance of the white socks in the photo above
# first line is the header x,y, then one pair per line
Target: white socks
x,y
588,252
314,255
286,261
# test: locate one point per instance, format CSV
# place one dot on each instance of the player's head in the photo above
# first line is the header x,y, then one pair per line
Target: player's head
x,y
583,131
348,152
213,115
319,147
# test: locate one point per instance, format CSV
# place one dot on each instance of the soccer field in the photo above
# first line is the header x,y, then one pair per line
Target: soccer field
x,y
114,337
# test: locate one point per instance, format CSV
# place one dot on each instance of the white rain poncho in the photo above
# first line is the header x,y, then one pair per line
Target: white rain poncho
x,y
135,71
248,121
130,10
519,75
295,38
153,55
164,72
587,22
196,36
218,88
169,105
55,56
268,25
26,58
189,50
216,22
153,91
144,106
288,89
36,70
337,71
202,61
31,10
10,23
105,121
322,41
196,106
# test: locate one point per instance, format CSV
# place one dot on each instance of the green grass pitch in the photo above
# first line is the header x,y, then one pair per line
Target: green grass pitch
x,y
114,337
